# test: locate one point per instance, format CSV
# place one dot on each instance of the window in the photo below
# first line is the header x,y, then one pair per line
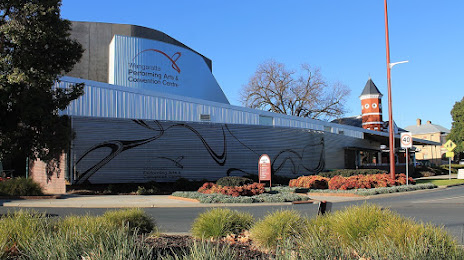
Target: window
x,y
366,106
374,105
328,128
266,120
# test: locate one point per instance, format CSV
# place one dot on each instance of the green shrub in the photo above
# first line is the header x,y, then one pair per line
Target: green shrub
x,y
234,181
350,172
203,250
133,218
20,187
220,222
370,232
183,184
277,227
33,235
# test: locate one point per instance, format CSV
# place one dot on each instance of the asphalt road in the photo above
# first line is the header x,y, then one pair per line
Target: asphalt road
x,y
441,207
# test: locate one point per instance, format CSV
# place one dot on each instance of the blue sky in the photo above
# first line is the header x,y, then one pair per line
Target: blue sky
x,y
345,39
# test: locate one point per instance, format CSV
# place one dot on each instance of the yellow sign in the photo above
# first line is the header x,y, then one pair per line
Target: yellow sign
x,y
449,154
450,145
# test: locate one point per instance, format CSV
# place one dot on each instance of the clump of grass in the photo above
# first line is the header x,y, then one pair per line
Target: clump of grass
x,y
278,227
374,233
220,222
133,218
203,250
32,235
18,228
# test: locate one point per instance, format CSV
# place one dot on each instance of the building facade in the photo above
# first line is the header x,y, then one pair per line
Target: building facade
x,y
435,133
153,111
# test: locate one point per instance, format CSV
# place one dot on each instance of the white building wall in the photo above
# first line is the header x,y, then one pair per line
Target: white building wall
x,y
111,101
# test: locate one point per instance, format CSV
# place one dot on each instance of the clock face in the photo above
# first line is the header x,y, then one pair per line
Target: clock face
x,y
366,106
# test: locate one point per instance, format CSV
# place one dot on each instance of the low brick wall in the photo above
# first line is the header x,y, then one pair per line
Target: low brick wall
x,y
51,176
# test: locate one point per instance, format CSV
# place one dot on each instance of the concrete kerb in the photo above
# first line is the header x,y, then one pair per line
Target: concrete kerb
x,y
142,201
166,201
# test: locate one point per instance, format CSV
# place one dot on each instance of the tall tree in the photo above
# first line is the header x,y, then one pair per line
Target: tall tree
x,y
36,49
457,128
275,88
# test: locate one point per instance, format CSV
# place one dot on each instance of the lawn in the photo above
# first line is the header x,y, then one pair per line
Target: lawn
x,y
441,182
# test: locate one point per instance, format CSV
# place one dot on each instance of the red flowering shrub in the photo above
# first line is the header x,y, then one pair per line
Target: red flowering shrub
x,y
401,179
367,181
4,179
234,191
311,182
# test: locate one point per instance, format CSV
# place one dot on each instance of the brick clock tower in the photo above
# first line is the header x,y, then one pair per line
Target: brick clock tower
x,y
371,101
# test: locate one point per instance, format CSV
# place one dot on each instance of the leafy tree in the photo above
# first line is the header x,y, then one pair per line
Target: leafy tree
x,y
275,88
457,129
36,50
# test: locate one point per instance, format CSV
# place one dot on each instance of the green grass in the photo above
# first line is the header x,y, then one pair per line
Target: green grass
x,y
277,227
441,182
371,232
32,235
220,222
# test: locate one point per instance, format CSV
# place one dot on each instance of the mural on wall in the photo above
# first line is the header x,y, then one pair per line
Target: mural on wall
x,y
118,151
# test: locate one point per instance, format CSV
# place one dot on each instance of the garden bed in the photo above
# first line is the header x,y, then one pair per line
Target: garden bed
x,y
290,194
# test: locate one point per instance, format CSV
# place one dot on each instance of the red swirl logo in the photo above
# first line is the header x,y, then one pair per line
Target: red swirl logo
x,y
172,58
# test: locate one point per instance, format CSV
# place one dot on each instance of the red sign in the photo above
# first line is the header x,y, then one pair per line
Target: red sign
x,y
264,167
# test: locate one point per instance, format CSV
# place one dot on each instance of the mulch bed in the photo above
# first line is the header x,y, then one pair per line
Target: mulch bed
x,y
175,244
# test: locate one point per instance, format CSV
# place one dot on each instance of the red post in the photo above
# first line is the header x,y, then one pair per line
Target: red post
x,y
390,109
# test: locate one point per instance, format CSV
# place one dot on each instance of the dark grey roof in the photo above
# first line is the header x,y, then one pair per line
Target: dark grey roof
x,y
353,121
357,121
370,88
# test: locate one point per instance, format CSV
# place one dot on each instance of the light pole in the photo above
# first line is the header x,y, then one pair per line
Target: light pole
x,y
391,137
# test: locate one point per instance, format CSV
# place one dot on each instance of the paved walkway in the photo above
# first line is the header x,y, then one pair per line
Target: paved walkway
x,y
138,201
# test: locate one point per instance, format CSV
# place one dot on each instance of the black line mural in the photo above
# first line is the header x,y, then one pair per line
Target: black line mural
x,y
166,150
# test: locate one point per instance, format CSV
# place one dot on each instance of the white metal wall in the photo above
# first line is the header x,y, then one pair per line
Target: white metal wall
x,y
111,101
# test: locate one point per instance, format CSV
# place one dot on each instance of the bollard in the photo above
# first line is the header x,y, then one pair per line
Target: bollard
x,y
324,207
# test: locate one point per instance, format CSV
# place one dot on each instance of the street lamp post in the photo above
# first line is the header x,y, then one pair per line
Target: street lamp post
x,y
391,137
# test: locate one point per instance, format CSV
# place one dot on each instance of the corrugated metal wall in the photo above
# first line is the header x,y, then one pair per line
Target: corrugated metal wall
x,y
122,150
111,101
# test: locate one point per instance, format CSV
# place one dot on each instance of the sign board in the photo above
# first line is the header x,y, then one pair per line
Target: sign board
x,y
264,168
406,140
163,67
449,154
450,145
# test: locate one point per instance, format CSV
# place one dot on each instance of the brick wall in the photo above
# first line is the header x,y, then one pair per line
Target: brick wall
x,y
50,176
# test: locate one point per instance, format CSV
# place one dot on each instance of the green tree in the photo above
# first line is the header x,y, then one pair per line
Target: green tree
x,y
457,128
36,49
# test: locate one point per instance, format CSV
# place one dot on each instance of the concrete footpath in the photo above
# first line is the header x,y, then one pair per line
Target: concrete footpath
x,y
139,201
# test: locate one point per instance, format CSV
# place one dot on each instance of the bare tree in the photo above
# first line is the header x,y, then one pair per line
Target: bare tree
x,y
277,89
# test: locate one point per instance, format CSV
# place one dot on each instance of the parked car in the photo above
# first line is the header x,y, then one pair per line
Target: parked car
x,y
461,161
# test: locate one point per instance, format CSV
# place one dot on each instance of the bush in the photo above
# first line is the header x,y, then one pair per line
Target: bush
x,y
183,184
133,218
234,181
350,172
234,191
310,182
367,181
370,232
33,235
220,222
278,227
20,187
